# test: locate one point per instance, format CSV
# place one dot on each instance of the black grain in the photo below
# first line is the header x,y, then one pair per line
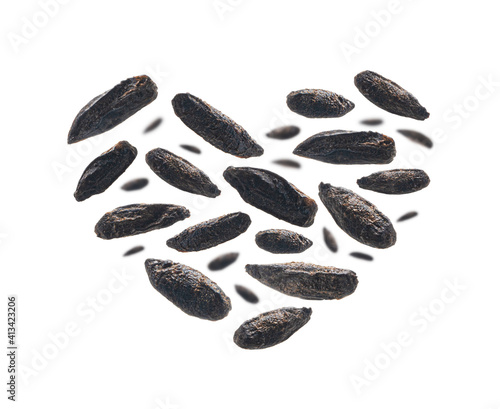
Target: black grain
x,y
279,241
318,103
395,182
221,262
246,294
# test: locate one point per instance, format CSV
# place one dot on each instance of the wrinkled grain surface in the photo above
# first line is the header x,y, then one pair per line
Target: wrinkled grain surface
x,y
112,107
137,219
280,241
395,182
180,173
348,148
318,103
271,328
223,261
210,233
359,218
215,127
389,96
104,170
188,289
306,281
272,194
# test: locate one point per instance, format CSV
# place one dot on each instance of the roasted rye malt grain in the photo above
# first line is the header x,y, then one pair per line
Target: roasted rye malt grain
x,y
279,241
191,148
137,219
359,218
284,132
180,173
188,289
135,184
153,125
133,250
348,148
288,163
104,170
372,121
395,182
407,216
221,262
112,107
318,103
389,96
330,241
210,233
272,194
271,328
361,256
416,137
246,294
306,281
215,127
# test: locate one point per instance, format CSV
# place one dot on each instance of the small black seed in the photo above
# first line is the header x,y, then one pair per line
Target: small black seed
x,y
362,256
153,125
372,121
407,216
133,250
330,241
417,137
191,148
288,163
246,294
318,103
271,328
395,182
348,148
188,289
223,261
279,241
389,96
215,127
104,170
307,281
135,184
137,219
210,233
180,173
113,107
272,194
284,132
359,218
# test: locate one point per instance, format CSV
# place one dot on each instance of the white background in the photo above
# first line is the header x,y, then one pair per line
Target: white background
x,y
244,57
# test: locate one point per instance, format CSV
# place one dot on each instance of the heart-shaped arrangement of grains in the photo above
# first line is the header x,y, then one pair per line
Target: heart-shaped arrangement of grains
x,y
192,291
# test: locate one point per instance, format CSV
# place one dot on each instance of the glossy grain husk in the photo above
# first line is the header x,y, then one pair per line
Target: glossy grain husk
x,y
272,194
357,217
104,170
180,173
210,233
389,96
140,218
395,182
306,281
215,127
318,103
348,148
280,241
188,289
111,108
271,328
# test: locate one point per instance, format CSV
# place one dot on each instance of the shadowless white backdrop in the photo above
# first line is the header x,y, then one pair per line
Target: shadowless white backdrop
x,y
422,327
